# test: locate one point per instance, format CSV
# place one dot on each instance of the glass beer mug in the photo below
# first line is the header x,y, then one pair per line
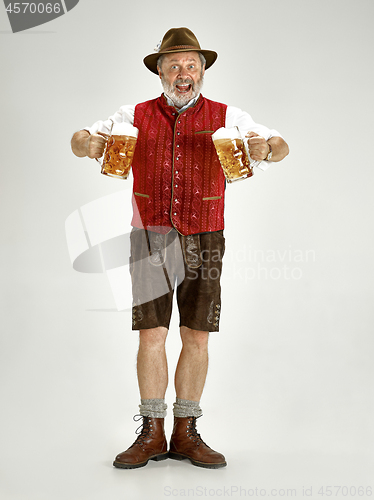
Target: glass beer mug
x,y
232,150
119,150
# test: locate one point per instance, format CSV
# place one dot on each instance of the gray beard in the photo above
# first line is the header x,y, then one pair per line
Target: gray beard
x,y
180,100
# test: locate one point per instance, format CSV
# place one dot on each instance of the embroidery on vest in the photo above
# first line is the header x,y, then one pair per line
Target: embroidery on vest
x,y
176,164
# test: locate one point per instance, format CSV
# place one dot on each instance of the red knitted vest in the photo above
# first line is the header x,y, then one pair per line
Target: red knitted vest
x,y
178,180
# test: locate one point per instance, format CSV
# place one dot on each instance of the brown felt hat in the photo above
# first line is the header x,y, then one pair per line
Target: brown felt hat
x,y
179,40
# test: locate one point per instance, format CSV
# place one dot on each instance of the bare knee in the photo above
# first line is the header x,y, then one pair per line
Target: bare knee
x,y
194,339
153,337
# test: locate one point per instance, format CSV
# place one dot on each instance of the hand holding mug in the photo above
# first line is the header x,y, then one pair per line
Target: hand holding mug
x,y
95,144
257,146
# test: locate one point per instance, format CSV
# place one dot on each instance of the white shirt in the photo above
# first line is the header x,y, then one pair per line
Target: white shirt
x,y
234,117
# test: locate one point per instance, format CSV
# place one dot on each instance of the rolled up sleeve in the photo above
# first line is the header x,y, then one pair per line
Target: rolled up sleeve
x,y
124,114
245,123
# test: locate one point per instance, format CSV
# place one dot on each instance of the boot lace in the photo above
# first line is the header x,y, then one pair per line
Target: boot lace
x,y
192,431
144,429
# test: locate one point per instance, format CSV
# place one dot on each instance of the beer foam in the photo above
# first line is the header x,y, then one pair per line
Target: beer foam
x,y
226,133
124,128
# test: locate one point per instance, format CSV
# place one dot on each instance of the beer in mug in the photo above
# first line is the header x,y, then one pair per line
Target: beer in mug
x,y
232,154
119,150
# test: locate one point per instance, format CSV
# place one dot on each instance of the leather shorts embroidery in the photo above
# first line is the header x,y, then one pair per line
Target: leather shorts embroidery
x,y
191,250
157,248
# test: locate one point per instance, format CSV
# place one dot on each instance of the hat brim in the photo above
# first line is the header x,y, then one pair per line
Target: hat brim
x,y
151,60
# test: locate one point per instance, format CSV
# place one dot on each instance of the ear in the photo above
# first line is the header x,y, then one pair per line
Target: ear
x,y
159,71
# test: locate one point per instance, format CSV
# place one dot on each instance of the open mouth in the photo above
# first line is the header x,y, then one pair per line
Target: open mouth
x,y
183,89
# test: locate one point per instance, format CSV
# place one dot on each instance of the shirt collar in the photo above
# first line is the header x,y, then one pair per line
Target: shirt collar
x,y
188,105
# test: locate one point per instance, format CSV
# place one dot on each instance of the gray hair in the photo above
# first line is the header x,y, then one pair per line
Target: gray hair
x,y
202,59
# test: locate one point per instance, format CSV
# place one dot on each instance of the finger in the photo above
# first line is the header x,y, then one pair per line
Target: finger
x,y
94,155
99,151
96,150
256,156
97,143
106,136
256,140
251,134
258,150
257,147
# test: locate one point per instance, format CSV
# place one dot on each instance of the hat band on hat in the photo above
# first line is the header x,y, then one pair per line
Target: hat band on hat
x,y
192,47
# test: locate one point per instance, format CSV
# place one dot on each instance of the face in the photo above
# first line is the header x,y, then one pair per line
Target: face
x,y
181,76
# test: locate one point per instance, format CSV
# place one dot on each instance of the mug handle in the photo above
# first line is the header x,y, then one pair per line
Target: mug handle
x,y
253,163
101,159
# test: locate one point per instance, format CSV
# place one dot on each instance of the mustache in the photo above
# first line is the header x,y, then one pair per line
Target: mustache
x,y
186,81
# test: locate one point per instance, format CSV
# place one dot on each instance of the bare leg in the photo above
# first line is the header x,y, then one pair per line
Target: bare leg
x,y
152,364
192,366
185,441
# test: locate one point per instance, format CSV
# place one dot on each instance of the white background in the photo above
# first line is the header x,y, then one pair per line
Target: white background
x,y
289,396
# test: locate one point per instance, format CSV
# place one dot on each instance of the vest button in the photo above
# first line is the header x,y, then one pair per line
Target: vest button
x,y
175,213
177,145
178,133
176,185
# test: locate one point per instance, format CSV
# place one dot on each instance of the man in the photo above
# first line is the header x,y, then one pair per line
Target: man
x,y
178,201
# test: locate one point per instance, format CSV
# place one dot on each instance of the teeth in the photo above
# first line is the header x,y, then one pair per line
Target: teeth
x,y
183,88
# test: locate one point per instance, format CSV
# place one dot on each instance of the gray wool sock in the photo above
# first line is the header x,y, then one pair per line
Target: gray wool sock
x,y
184,408
154,408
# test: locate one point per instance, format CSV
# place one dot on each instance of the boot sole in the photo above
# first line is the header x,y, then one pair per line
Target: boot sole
x,y
180,456
156,458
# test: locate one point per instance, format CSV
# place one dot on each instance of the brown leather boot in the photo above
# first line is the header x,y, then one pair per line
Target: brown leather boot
x,y
185,442
149,445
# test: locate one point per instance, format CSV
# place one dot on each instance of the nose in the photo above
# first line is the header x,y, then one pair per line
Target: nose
x,y
183,73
